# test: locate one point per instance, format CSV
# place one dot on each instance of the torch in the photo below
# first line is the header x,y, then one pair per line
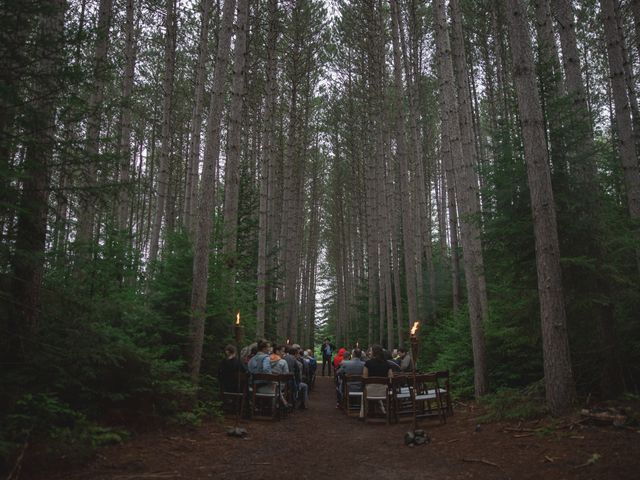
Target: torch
x,y
238,331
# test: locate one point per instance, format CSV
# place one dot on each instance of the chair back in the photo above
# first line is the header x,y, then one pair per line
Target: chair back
x,y
264,378
350,380
375,381
426,381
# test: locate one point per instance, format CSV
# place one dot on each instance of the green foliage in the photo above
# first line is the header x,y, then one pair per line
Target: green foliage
x,y
447,346
514,404
104,354
66,432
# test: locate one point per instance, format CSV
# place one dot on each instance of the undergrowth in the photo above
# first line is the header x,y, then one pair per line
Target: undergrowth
x,y
515,404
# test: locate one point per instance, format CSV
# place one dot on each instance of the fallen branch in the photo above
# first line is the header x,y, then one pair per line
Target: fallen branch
x,y
592,460
605,417
524,435
453,440
481,460
511,429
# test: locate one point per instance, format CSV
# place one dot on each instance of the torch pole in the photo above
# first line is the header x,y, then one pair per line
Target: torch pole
x,y
414,355
238,334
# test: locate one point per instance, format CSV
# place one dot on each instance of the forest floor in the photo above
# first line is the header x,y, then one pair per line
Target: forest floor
x,y
322,442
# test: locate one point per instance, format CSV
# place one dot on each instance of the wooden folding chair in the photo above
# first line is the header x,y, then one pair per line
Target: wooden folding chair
x,y
369,397
445,392
427,394
285,385
353,396
402,400
265,389
238,398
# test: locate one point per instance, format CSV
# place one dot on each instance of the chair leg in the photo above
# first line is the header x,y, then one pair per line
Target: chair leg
x,y
365,409
388,404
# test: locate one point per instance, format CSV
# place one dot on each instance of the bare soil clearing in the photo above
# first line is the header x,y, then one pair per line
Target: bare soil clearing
x,y
321,442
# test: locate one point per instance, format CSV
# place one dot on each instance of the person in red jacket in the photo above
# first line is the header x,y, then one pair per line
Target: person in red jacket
x,y
339,358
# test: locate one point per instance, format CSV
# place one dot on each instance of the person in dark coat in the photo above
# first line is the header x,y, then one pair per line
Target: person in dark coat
x,y
229,372
327,352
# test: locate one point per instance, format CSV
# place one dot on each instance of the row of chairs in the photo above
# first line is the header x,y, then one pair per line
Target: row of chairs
x,y
261,397
431,395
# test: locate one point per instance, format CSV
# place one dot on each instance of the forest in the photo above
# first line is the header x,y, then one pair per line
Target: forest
x,y
335,168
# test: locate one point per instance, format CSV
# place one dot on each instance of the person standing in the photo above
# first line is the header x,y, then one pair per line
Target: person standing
x,y
229,369
327,351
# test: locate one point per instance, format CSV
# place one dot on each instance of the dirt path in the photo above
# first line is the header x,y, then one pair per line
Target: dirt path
x,y
321,442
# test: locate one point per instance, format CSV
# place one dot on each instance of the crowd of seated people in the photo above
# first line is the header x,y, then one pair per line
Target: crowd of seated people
x,y
263,358
376,362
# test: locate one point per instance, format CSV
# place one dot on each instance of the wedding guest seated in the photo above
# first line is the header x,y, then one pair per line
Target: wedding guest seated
x,y
260,363
279,366
303,387
338,359
406,362
377,366
312,363
353,366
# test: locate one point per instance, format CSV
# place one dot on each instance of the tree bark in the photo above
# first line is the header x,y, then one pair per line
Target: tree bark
x,y
125,119
401,152
193,176
232,165
560,390
466,196
28,259
207,193
165,135
468,175
624,128
267,159
87,210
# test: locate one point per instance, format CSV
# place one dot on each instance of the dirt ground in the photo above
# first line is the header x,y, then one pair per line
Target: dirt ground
x,y
322,442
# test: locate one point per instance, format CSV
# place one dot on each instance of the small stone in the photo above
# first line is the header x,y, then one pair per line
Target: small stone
x,y
237,432
409,438
478,428
419,433
420,440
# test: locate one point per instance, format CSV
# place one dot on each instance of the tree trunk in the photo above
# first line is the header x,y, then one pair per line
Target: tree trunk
x,y
165,136
28,259
267,157
466,196
467,169
560,390
624,128
401,152
232,165
207,193
193,167
125,120
87,210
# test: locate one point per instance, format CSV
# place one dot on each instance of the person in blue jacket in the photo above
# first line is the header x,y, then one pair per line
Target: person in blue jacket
x,y
327,351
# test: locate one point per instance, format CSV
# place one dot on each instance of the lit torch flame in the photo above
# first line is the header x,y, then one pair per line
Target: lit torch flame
x,y
414,329
238,319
